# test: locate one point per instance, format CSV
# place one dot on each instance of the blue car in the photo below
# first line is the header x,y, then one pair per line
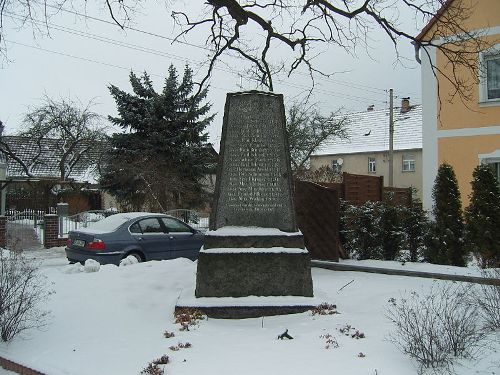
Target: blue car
x,y
146,236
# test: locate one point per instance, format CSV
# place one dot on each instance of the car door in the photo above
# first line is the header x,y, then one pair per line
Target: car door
x,y
186,241
152,238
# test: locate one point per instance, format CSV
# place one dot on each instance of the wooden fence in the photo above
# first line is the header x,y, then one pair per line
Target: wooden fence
x,y
318,213
317,206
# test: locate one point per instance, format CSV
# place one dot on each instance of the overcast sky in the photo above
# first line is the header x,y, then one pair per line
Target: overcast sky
x,y
82,56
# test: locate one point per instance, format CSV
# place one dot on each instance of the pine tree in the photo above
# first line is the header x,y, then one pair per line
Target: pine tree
x,y
163,153
483,217
446,245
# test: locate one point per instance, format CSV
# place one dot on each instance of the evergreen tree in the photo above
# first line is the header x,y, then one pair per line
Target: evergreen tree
x,y
163,154
415,223
446,245
483,217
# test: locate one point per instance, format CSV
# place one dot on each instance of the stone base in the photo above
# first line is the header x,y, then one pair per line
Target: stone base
x,y
253,272
213,240
244,312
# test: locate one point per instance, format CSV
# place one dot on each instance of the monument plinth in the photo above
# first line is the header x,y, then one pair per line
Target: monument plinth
x,y
253,247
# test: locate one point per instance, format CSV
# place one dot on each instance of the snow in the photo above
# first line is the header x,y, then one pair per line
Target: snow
x,y
369,132
113,222
112,322
249,231
274,250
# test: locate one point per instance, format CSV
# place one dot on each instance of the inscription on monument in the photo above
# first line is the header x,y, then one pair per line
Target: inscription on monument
x,y
254,180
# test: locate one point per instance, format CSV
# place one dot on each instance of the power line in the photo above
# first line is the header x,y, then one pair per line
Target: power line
x,y
353,85
285,83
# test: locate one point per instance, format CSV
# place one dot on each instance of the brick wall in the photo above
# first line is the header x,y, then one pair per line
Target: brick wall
x,y
18,368
51,232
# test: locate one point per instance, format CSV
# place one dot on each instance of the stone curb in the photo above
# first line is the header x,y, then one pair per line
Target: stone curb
x,y
387,271
18,368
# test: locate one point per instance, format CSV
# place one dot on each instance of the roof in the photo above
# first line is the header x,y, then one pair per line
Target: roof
x,y
369,132
434,19
47,164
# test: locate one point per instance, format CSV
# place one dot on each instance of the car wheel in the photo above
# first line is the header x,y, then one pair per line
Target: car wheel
x,y
136,256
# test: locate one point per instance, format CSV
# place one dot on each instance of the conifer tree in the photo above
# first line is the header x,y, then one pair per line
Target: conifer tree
x,y
163,153
483,217
446,245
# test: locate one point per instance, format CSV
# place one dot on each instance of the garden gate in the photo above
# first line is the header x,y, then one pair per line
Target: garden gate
x,y
24,230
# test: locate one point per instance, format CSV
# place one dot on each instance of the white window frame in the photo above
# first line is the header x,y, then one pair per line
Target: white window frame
x,y
408,162
493,158
483,84
372,164
336,167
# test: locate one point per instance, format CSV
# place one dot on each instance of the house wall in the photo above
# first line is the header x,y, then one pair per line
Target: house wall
x,y
453,131
358,164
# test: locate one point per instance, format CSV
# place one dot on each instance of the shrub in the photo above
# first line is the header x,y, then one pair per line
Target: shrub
x,y
446,244
482,217
22,290
381,230
187,316
436,327
488,300
415,225
361,230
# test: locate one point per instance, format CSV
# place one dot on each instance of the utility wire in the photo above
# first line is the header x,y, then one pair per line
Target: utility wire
x,y
353,85
282,82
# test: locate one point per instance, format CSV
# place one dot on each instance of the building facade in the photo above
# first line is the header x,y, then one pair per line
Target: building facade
x,y
366,151
462,134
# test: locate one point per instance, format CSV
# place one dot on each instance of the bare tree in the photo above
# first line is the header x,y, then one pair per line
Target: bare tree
x,y
254,29
307,129
57,132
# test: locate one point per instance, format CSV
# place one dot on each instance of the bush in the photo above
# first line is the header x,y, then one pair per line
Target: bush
x,y
380,230
435,328
22,289
445,242
488,300
483,217
361,230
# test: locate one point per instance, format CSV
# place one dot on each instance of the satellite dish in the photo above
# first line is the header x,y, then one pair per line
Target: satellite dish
x,y
340,161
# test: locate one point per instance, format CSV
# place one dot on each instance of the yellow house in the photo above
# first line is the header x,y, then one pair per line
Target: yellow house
x,y
463,133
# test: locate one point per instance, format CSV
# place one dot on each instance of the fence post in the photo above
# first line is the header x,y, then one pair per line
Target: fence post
x,y
62,212
3,231
51,231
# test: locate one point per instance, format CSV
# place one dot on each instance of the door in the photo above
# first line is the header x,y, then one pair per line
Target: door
x,y
152,238
186,241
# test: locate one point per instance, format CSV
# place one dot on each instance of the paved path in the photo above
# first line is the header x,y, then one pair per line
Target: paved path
x,y
21,236
388,271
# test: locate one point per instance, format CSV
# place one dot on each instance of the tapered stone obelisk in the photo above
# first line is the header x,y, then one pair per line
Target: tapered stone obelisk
x,y
254,247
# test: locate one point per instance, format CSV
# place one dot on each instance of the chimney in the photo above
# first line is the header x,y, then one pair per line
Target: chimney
x,y
370,107
405,105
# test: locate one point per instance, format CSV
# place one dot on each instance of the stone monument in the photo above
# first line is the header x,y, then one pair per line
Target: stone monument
x,y
253,247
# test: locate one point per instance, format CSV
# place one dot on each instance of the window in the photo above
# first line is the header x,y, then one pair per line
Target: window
x,y
175,225
371,165
493,160
408,163
337,165
151,225
490,75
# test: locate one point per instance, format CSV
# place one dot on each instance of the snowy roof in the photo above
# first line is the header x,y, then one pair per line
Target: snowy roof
x,y
47,152
369,132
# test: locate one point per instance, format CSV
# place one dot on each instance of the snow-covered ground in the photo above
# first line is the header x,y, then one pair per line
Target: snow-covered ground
x,y
112,322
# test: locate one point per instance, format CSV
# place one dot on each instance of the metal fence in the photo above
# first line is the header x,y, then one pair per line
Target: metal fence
x,y
24,229
81,220
197,220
